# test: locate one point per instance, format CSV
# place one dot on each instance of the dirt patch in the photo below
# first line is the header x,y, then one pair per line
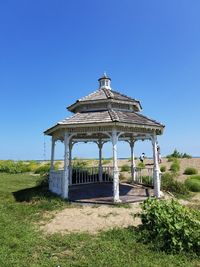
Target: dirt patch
x,y
92,219
193,202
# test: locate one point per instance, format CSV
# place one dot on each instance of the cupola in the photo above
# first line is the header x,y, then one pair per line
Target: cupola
x,y
104,82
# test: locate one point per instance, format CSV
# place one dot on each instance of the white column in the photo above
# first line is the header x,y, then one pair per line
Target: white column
x,y
65,182
133,165
115,168
100,145
156,178
70,163
53,142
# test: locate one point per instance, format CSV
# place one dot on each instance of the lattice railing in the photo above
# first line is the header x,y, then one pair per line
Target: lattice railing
x,y
88,175
143,176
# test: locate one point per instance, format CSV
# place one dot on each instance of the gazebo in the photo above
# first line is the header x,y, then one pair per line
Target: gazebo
x,y
102,116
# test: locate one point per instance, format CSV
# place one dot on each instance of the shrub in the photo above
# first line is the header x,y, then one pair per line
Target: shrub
x,y
168,183
80,164
193,183
190,171
125,168
106,161
185,155
122,177
43,181
10,166
175,166
33,165
141,165
177,154
170,159
43,169
147,180
170,226
163,168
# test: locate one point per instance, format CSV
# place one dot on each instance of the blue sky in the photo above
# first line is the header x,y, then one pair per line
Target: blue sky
x,y
53,52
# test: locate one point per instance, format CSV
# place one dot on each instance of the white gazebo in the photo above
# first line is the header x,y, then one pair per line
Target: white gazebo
x,y
102,116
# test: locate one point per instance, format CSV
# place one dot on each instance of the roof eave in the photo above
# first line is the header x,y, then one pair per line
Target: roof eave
x,y
58,126
136,103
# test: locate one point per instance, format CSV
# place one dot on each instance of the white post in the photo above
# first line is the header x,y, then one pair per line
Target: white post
x,y
156,178
133,165
65,181
115,168
70,163
53,142
100,145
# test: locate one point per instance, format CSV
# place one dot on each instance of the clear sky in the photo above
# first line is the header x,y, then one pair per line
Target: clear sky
x,y
53,52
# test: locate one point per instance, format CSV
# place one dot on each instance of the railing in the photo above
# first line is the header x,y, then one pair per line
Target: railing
x,y
88,175
143,176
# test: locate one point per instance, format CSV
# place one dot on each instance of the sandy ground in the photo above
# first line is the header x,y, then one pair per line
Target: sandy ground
x,y
184,163
92,219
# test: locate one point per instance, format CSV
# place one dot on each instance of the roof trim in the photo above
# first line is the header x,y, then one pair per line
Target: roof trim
x,y
113,123
79,103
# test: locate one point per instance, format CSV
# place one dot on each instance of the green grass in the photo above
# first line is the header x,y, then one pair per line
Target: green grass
x,y
125,168
163,168
22,244
193,183
169,183
190,171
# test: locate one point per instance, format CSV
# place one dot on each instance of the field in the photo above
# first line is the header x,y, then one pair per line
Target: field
x,y
24,207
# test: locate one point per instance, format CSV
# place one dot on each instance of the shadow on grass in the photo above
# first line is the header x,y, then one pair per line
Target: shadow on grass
x,y
33,193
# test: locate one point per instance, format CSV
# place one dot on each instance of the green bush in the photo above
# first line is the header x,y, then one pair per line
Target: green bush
x,y
175,166
122,177
177,154
106,161
193,183
10,166
170,159
125,168
190,171
163,168
169,226
80,164
168,183
43,181
147,180
43,169
141,165
185,155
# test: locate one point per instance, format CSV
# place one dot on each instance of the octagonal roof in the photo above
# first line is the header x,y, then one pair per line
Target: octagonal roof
x,y
106,107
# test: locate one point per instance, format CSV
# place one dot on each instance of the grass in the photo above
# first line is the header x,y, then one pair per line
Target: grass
x,y
193,183
169,183
125,168
163,168
190,171
175,166
22,244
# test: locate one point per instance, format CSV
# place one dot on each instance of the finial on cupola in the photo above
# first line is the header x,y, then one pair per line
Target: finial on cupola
x,y
104,82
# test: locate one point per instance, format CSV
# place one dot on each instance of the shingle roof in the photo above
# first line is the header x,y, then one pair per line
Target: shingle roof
x,y
88,117
109,116
104,93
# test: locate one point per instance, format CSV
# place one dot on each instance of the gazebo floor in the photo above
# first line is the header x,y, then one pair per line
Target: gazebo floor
x,y
102,193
